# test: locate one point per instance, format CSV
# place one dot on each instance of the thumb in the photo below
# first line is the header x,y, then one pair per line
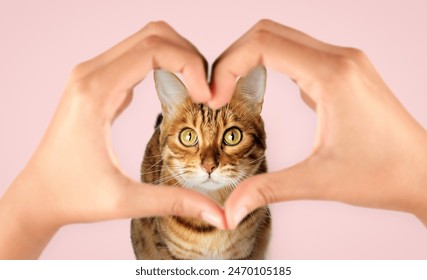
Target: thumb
x,y
144,200
296,182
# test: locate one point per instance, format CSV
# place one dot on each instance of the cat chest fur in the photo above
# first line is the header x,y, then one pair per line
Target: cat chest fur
x,y
185,239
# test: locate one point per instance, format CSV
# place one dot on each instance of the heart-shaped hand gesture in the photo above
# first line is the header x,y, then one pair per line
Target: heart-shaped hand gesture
x,y
369,151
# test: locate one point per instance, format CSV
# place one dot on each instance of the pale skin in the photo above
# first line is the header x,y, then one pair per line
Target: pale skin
x,y
73,176
368,152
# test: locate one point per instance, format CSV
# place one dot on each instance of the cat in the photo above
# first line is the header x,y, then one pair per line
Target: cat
x,y
210,151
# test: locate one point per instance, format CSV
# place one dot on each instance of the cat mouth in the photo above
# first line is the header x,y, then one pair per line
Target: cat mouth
x,y
210,180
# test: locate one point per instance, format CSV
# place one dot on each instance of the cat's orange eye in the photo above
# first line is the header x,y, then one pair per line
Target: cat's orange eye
x,y
188,137
232,136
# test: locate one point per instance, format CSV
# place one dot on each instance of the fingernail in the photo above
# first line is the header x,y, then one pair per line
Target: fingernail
x,y
240,215
212,219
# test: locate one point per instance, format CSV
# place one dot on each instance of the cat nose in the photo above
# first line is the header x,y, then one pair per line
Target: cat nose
x,y
208,167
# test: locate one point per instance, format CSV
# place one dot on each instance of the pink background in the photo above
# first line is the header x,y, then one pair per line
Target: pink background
x,y
42,40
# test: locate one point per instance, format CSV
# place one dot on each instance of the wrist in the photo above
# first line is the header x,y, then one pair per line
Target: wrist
x,y
25,231
420,209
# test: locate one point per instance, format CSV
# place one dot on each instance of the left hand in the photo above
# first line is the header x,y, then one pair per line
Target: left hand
x,y
74,176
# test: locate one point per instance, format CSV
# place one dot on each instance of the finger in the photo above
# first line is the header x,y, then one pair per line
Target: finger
x,y
294,35
301,63
147,200
298,182
275,45
224,79
158,29
126,71
196,80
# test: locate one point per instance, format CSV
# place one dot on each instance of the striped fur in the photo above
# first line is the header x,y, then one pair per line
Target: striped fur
x,y
168,162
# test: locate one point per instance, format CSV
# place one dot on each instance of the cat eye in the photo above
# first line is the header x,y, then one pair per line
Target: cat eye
x,y
232,136
188,137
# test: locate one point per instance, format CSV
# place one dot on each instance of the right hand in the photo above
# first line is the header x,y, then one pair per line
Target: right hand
x,y
368,151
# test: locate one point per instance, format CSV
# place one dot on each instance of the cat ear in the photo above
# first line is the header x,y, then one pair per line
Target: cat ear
x,y
252,86
171,91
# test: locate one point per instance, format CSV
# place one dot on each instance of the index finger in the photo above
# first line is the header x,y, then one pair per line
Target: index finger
x,y
296,58
123,73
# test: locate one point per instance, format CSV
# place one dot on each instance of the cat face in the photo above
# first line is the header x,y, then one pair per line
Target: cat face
x,y
207,149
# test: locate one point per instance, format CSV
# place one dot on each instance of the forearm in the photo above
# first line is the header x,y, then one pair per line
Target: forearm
x,y
421,211
418,168
22,235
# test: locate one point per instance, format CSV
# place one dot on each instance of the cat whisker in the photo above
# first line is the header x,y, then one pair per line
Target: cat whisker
x,y
243,176
233,183
155,164
161,165
151,172
184,181
235,180
145,157
177,174
168,178
177,184
256,160
177,168
163,180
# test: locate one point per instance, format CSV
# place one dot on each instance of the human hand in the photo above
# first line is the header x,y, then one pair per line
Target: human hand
x,y
368,150
74,176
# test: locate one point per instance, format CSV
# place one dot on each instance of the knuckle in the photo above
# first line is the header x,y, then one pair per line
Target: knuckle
x,y
177,208
342,69
80,70
195,60
263,196
345,64
264,23
157,25
264,193
349,61
150,42
86,85
79,88
356,55
191,61
261,37
345,67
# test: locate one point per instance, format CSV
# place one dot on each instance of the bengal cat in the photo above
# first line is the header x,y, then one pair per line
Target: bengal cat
x,y
210,151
